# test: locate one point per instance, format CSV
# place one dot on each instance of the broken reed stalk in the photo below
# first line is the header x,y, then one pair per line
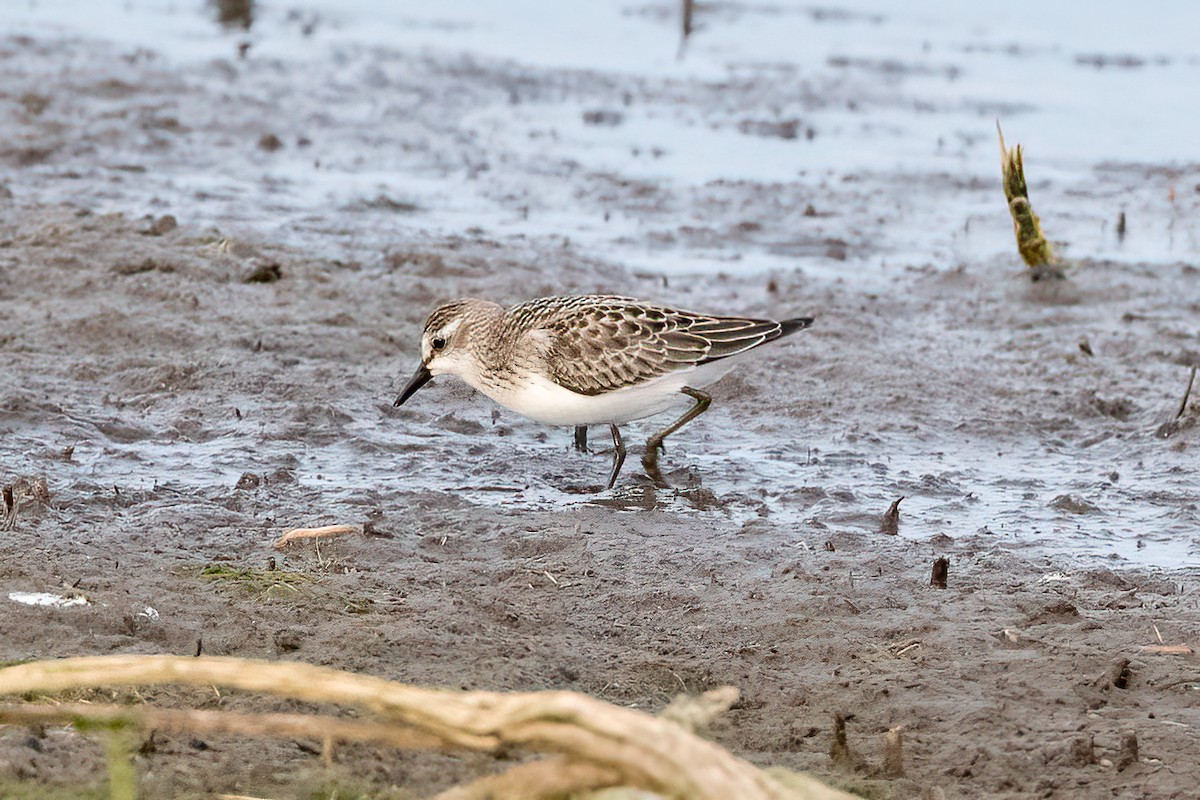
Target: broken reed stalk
x,y
687,20
1176,423
1187,393
1035,249
600,742
893,753
891,518
839,749
940,572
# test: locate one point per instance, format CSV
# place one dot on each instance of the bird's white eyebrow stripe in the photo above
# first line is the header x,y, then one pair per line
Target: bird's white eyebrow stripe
x,y
450,327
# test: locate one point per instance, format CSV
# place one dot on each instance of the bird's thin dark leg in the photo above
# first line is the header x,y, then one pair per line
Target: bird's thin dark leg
x,y
618,455
581,438
650,457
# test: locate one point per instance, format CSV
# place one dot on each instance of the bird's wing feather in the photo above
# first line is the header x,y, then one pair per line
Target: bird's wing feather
x,y
607,346
728,336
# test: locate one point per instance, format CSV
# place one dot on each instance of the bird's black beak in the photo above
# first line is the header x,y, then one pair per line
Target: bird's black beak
x,y
421,377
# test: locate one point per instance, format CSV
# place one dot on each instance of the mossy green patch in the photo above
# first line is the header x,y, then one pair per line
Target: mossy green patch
x,y
295,588
263,584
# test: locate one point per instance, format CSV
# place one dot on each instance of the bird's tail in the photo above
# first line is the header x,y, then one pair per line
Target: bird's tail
x,y
792,325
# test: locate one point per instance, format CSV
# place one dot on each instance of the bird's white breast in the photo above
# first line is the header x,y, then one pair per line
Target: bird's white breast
x,y
535,396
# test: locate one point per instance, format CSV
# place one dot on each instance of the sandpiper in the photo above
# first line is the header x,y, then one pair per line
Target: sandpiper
x,y
589,360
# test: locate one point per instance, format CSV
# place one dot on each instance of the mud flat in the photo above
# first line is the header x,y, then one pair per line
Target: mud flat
x,y
190,387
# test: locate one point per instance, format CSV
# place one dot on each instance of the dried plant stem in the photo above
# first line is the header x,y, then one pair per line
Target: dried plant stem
x,y
199,721
549,778
1187,393
324,531
893,752
1035,249
640,750
686,25
891,518
122,777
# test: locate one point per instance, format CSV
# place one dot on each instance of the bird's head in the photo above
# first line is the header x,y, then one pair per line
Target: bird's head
x,y
447,342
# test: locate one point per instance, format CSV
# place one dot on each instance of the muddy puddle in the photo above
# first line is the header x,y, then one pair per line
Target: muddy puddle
x,y
218,243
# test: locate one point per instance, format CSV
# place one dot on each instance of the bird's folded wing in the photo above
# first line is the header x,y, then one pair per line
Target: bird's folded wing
x,y
612,348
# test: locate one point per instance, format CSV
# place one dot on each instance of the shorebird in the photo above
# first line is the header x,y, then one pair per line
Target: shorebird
x,y
590,360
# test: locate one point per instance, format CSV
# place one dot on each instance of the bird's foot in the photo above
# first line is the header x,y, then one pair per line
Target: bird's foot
x,y
650,465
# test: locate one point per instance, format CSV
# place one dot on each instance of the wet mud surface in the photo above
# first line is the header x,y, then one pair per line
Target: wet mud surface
x,y
191,387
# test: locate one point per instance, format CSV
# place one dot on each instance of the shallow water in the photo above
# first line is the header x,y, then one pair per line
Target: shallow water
x,y
900,102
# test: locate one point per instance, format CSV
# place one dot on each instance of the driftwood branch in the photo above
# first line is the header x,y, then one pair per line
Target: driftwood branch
x,y
199,721
612,745
549,778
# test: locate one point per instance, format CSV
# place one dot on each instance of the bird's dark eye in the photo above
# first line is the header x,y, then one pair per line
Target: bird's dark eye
x,y
437,343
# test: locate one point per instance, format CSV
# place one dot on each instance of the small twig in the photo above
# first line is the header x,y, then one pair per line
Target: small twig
x,y
891,518
1177,423
893,753
686,26
1166,649
1187,393
314,533
940,573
